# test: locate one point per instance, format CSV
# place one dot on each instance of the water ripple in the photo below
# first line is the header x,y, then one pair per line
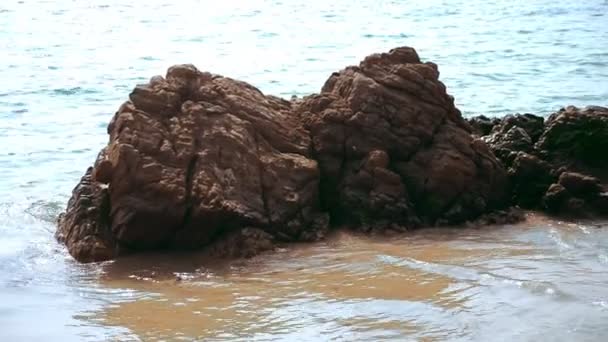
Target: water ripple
x,y
67,66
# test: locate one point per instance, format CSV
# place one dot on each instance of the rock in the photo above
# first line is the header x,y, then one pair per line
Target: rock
x,y
576,136
580,185
193,157
532,124
576,195
515,139
555,197
537,152
575,207
393,105
243,243
510,215
530,177
377,193
84,227
514,133
482,125
200,161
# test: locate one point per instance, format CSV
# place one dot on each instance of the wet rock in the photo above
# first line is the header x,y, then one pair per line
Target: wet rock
x,y
575,207
530,178
532,124
193,157
482,125
569,145
580,185
201,161
243,243
514,133
515,139
575,194
84,227
555,197
577,136
510,215
393,104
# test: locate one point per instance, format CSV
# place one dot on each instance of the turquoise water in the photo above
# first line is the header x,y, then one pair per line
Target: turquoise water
x,y
66,66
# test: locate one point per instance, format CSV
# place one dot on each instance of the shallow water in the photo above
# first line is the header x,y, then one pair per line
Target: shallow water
x,y
541,280
544,280
66,66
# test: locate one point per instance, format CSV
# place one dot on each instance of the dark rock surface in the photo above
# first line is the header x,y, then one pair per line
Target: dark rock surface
x,y
84,228
577,138
560,165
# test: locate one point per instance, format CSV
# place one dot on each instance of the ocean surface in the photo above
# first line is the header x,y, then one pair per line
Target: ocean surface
x,y
67,65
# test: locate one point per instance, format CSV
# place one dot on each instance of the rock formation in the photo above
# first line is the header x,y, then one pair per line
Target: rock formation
x,y
193,157
200,161
559,165
393,148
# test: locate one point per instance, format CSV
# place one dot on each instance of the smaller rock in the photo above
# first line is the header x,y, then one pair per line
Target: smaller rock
x,y
555,197
515,139
244,243
84,226
579,135
318,229
575,207
514,133
579,184
530,177
511,215
532,124
482,125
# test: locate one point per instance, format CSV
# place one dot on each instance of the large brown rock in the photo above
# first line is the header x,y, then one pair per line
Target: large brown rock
x,y
196,160
392,105
194,156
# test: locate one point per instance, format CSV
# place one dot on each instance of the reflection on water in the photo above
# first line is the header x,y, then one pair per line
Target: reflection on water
x,y
543,279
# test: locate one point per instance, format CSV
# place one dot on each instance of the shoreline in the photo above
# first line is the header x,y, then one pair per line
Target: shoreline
x,y
164,265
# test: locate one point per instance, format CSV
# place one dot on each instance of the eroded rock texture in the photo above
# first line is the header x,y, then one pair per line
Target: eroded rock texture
x,y
392,147
194,156
560,165
84,228
198,160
